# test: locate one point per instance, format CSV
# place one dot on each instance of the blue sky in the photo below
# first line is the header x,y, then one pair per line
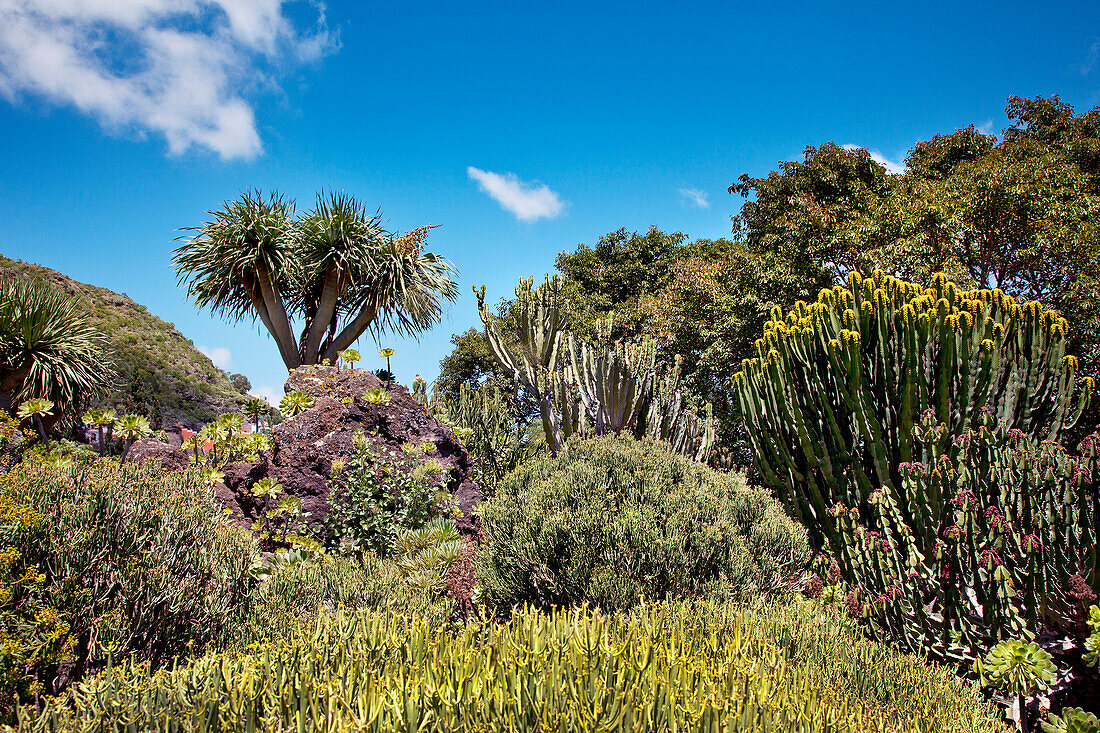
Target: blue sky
x,y
123,120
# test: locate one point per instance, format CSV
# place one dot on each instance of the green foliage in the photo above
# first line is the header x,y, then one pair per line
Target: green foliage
x,y
378,495
615,521
148,366
295,403
131,428
484,422
1018,667
349,357
279,514
1072,720
377,396
296,587
335,267
104,561
658,669
426,553
49,349
241,383
603,388
985,544
831,399
1092,644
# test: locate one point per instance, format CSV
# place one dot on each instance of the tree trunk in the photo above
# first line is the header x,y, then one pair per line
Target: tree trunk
x,y
42,431
326,311
277,322
351,332
102,441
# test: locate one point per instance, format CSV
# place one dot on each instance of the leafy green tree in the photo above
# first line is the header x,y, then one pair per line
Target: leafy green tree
x,y
255,409
335,268
613,277
48,349
240,382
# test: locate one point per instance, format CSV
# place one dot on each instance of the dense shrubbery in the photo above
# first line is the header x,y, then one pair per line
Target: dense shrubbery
x,y
102,561
615,520
704,667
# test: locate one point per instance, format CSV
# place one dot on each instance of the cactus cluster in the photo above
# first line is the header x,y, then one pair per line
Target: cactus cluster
x,y
832,397
595,388
708,668
994,538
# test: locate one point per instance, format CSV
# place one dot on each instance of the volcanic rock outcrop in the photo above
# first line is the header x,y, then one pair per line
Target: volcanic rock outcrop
x,y
306,445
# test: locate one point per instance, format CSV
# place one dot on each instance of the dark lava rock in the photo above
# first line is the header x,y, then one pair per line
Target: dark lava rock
x,y
169,457
306,445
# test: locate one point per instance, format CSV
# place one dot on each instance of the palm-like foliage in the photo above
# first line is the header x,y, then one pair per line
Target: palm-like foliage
x,y
35,409
335,269
255,408
104,420
132,427
48,348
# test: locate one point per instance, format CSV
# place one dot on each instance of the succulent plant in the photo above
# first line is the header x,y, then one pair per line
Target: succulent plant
x,y
295,403
377,396
349,357
1072,720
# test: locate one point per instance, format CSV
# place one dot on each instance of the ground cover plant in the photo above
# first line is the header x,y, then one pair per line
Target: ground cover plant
x,y
695,667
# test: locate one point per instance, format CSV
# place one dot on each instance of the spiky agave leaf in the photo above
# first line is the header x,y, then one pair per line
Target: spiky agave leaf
x,y
48,347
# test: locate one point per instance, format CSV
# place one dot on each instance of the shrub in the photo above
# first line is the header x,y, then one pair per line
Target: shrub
x,y
295,587
615,520
378,495
112,561
692,667
830,404
996,538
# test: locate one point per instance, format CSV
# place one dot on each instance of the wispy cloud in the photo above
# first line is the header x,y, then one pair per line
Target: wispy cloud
x,y
891,166
268,393
986,128
1090,58
696,197
528,201
178,68
221,356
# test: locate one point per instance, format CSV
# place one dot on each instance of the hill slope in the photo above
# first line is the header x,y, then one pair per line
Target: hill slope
x,y
158,372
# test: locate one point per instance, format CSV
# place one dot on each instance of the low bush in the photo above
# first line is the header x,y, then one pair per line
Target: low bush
x,y
100,561
378,495
295,588
707,667
615,520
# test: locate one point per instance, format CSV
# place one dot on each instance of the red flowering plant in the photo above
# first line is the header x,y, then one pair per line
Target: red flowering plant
x,y
1001,543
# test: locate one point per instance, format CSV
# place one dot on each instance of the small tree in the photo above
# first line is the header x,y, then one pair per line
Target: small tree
x,y
104,420
34,410
255,409
335,268
132,427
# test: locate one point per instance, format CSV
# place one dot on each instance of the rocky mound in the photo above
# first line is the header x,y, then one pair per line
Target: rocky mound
x,y
306,445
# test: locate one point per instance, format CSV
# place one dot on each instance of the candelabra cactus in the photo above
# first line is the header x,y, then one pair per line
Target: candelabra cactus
x,y
530,354
987,541
830,401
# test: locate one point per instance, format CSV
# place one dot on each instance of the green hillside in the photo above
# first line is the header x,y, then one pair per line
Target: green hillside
x,y
158,372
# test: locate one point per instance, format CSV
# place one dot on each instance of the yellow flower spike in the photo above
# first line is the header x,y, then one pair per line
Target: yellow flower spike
x,y
1070,362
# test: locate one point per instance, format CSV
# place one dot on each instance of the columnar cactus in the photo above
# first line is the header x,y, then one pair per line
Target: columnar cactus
x,y
598,388
831,400
531,354
993,538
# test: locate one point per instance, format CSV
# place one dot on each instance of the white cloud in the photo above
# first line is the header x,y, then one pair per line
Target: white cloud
x,y
891,166
179,68
221,356
986,128
695,197
269,394
528,201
